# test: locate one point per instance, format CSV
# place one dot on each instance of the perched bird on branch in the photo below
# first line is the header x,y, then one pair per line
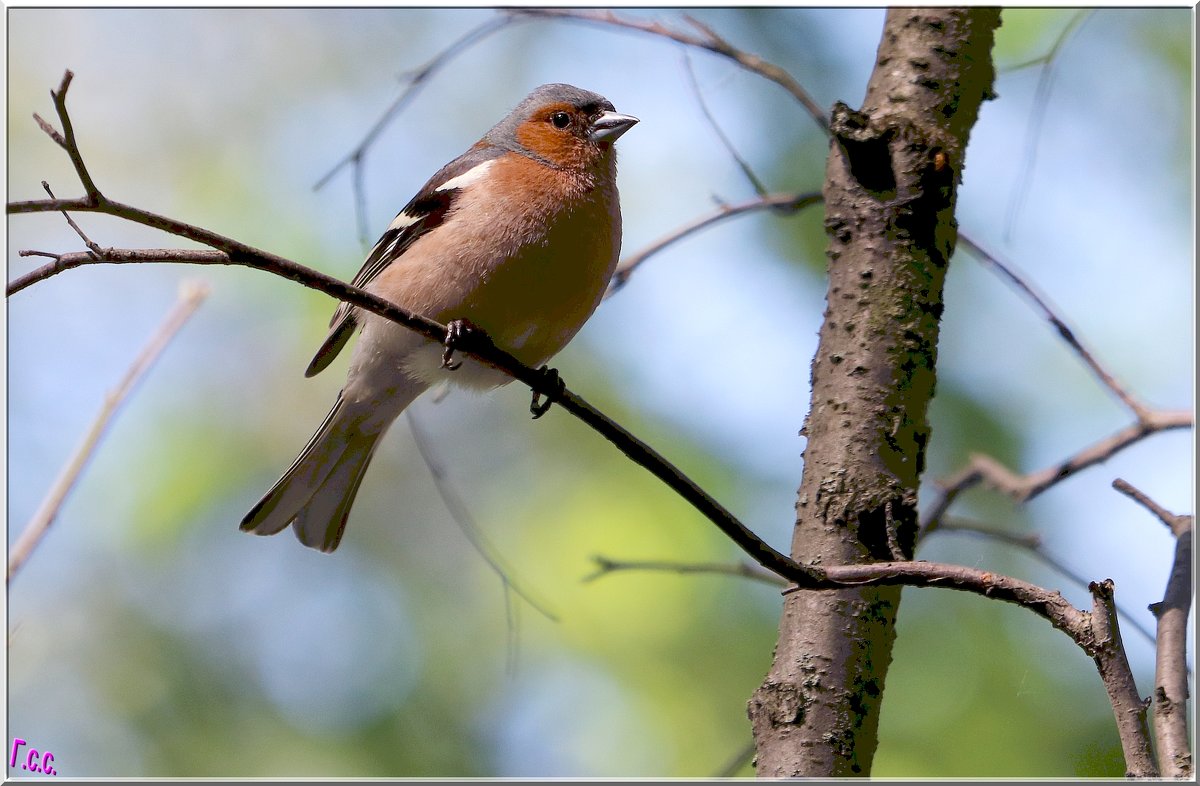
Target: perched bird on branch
x,y
517,237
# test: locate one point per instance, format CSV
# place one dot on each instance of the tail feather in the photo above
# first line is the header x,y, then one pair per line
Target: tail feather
x,y
300,481
315,493
321,522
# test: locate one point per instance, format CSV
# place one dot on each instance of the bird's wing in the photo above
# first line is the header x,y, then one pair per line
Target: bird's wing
x,y
425,212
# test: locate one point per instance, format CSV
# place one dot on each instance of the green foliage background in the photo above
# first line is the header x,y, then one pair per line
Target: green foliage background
x,y
147,637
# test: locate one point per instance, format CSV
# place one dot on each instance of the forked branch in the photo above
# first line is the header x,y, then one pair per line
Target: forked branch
x,y
1170,664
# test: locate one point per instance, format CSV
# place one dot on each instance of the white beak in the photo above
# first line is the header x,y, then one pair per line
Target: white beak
x,y
610,125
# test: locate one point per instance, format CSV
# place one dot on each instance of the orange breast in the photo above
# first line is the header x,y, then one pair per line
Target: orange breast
x,y
530,273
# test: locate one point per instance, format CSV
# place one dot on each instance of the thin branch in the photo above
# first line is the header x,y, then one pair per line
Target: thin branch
x,y
1170,668
738,761
711,42
93,247
44,206
50,130
1111,661
466,522
416,79
483,547
1006,271
1052,53
747,570
1048,604
191,296
708,40
755,183
475,344
358,182
1032,543
67,139
116,256
1022,488
1041,101
1177,524
785,203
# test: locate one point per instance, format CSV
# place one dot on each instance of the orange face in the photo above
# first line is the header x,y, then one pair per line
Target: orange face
x,y
559,133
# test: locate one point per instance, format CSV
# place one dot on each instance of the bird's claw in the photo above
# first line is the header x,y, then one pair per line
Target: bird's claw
x,y
456,331
537,407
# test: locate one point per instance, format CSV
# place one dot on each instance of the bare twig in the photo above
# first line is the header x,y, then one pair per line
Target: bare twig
x,y
466,522
416,79
1177,524
50,130
1049,56
1140,410
1032,543
1041,101
1048,604
786,203
755,183
708,40
93,247
67,139
1128,706
737,762
1022,488
1170,669
115,256
359,184
747,570
190,297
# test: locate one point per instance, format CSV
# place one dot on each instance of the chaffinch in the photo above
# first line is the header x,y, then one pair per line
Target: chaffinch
x,y
519,236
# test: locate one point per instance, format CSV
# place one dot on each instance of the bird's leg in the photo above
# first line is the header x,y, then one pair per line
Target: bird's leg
x,y
537,407
457,332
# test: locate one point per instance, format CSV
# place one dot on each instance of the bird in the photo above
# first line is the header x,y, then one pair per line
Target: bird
x,y
518,237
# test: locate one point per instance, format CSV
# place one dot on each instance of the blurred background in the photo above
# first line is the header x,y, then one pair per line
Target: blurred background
x,y
148,637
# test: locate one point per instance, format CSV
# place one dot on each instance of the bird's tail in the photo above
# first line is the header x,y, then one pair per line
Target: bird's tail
x,y
317,491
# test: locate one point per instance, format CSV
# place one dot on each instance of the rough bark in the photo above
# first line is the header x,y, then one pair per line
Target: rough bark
x,y
890,187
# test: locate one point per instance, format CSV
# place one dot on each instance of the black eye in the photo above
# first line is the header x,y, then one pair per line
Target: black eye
x,y
560,119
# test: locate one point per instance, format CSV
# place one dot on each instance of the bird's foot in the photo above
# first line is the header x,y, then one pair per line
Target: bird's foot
x,y
458,332
537,407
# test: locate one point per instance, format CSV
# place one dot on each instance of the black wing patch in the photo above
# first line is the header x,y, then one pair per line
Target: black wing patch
x,y
425,212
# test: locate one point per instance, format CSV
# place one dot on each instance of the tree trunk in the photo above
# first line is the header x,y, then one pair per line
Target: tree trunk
x,y
890,187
